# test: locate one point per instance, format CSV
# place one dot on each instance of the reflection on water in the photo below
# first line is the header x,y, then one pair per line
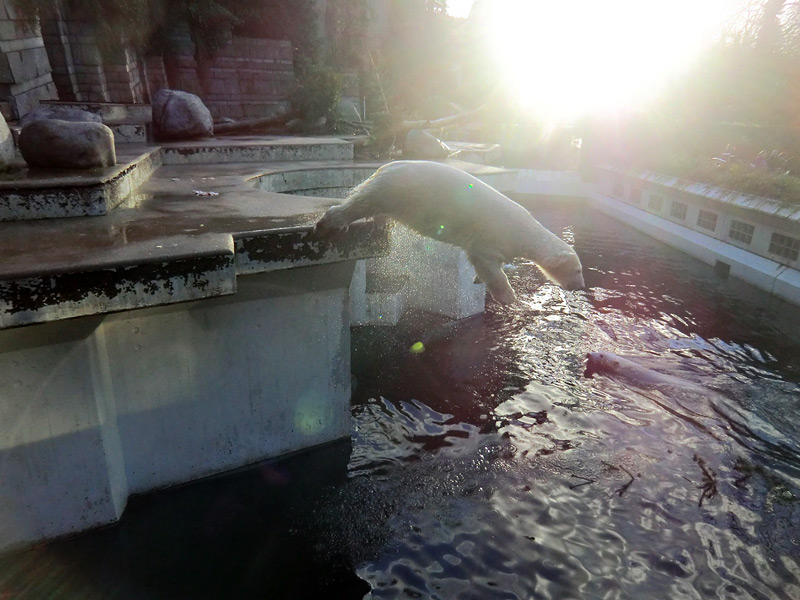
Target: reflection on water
x,y
490,466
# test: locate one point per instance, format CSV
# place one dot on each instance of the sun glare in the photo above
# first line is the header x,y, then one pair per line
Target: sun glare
x,y
564,59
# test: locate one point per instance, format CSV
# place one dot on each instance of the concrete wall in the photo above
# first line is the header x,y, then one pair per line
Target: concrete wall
x,y
96,408
647,202
25,72
660,195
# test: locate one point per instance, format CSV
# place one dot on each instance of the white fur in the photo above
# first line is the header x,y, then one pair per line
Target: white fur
x,y
447,204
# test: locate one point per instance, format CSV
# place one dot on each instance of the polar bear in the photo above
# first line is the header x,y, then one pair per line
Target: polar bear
x,y
445,203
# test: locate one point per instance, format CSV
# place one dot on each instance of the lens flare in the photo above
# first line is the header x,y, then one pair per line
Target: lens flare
x,y
564,59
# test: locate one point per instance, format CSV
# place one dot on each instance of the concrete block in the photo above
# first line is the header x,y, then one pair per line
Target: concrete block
x,y
59,446
25,101
21,65
440,278
215,385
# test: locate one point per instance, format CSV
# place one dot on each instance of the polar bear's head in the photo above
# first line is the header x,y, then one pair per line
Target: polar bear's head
x,y
563,268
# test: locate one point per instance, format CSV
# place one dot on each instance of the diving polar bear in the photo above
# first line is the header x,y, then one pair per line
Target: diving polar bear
x,y
445,203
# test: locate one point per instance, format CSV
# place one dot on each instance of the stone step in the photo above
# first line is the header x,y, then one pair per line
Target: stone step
x,y
111,111
29,194
256,149
131,132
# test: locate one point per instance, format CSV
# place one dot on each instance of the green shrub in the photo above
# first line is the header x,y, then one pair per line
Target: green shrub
x,y
317,92
744,178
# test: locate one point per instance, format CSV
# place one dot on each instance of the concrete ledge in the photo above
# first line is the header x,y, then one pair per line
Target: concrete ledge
x,y
552,183
29,194
131,132
177,270
301,179
167,232
255,149
259,252
111,110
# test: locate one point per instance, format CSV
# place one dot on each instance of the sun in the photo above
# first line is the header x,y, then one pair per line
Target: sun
x,y
564,59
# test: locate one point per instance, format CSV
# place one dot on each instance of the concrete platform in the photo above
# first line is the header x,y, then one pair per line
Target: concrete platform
x,y
196,327
181,215
32,193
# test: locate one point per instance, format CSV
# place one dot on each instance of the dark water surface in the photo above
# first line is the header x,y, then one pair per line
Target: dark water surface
x,y
492,466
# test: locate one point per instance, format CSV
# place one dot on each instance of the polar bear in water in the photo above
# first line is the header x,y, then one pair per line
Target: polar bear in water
x,y
445,203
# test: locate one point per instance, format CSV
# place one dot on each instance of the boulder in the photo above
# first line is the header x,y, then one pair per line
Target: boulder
x,y
62,113
57,144
180,116
424,146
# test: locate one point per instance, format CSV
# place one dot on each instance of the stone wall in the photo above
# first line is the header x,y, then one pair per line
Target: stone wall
x,y
56,40
245,78
59,59
25,72
123,76
83,72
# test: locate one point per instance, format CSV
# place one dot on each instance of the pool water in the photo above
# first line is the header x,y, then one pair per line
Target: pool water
x,y
492,465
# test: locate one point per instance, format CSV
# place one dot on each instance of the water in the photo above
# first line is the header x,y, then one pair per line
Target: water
x,y
492,466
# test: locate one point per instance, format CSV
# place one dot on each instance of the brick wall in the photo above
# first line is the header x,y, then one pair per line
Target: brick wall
x,y
56,40
25,72
123,77
245,78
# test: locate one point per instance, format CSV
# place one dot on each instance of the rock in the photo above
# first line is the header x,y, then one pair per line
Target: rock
x,y
62,113
180,116
56,144
424,146
7,149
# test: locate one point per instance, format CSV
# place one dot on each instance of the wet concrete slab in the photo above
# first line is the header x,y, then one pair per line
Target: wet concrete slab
x,y
212,221
184,219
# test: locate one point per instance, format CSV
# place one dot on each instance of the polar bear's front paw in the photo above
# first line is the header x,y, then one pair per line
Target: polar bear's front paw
x,y
333,220
503,294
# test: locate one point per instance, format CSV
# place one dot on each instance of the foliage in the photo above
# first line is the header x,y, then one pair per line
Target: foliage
x,y
741,97
209,21
744,178
292,20
418,56
317,92
132,21
346,25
